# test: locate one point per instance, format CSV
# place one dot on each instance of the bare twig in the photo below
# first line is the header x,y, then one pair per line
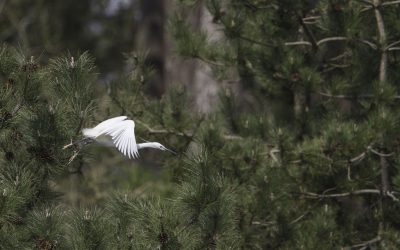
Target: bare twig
x,y
330,39
393,48
358,158
370,44
309,18
337,96
390,3
379,153
232,137
392,45
272,154
351,96
365,244
264,224
298,43
390,194
357,192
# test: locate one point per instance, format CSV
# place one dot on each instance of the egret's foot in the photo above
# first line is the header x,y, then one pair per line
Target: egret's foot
x,y
68,145
80,144
76,152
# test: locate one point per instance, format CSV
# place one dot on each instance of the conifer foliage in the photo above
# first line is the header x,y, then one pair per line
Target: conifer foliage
x,y
304,156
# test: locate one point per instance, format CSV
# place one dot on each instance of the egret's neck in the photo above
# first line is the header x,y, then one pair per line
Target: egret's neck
x,y
146,145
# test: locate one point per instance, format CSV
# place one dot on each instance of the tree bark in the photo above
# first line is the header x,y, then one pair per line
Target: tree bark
x,y
152,39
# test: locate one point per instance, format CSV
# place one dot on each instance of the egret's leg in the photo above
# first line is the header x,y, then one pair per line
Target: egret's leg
x,y
80,143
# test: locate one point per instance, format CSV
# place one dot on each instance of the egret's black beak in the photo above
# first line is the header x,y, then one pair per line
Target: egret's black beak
x,y
171,151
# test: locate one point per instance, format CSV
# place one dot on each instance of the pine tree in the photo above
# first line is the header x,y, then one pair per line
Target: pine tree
x,y
321,76
304,156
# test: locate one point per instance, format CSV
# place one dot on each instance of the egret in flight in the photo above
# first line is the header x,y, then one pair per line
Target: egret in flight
x,y
119,132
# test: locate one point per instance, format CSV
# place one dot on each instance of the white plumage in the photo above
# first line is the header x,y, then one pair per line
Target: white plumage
x,y
121,131
122,134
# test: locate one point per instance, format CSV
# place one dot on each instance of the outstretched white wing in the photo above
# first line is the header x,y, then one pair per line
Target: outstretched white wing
x,y
109,123
123,136
102,126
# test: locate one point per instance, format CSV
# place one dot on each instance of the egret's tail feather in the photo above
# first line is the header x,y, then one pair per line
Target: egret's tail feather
x,y
89,132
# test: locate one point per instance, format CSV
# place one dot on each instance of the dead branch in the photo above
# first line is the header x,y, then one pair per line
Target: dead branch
x,y
351,96
357,192
390,194
365,244
330,39
390,3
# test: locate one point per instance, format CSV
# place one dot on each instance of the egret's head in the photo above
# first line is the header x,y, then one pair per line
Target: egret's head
x,y
161,147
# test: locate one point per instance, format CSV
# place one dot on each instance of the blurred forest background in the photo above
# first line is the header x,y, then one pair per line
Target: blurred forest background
x,y
285,116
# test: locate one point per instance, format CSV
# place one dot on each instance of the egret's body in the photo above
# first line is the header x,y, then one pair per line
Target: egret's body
x,y
120,132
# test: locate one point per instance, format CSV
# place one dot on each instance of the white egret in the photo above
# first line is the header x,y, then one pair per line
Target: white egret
x,y
119,132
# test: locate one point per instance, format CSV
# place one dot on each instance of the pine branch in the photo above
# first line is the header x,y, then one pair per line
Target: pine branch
x,y
330,39
351,96
390,194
